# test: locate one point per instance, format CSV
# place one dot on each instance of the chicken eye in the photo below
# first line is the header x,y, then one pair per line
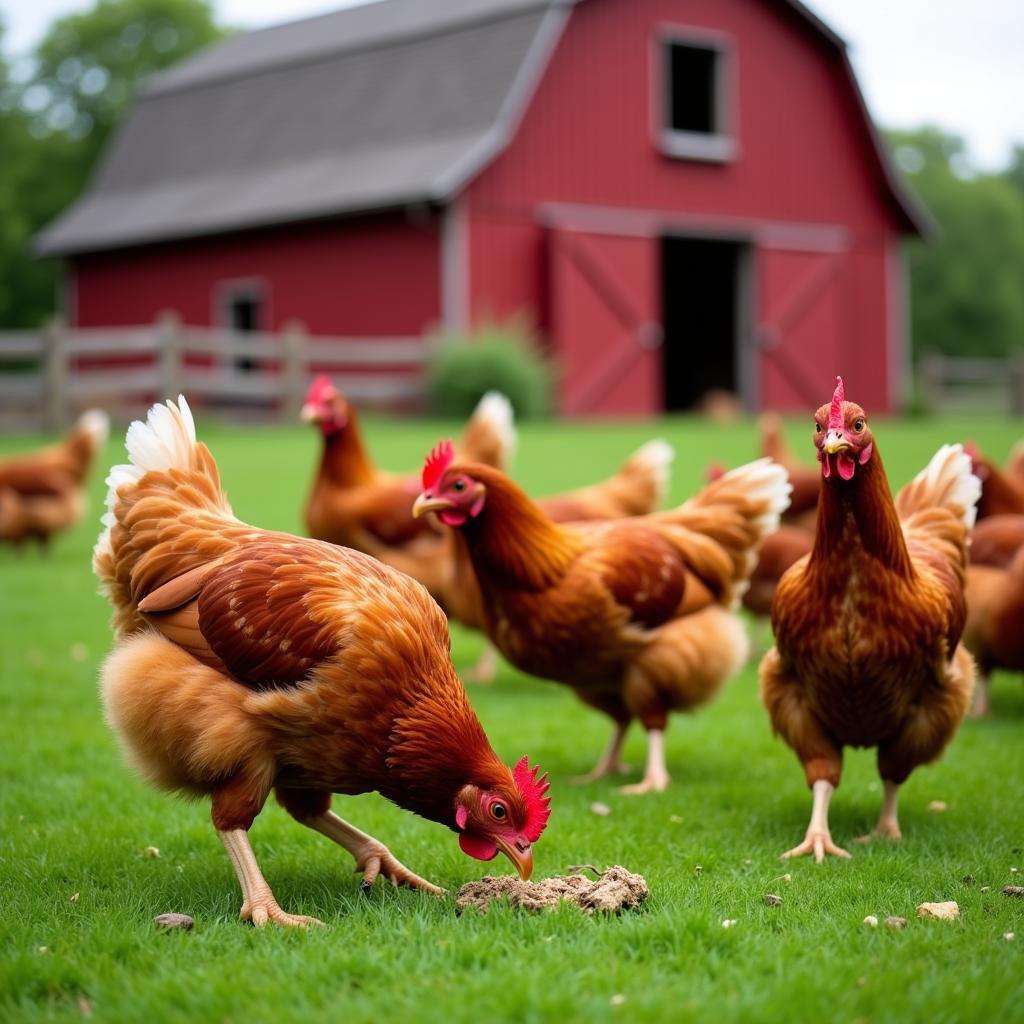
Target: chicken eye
x,y
858,425
459,485
817,428
498,812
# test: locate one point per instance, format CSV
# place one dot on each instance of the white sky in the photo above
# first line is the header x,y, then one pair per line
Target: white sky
x,y
946,62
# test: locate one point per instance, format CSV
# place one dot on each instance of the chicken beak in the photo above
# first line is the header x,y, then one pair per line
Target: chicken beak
x,y
426,502
520,852
836,441
308,413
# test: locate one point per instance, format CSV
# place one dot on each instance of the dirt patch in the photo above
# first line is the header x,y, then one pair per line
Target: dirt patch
x,y
613,890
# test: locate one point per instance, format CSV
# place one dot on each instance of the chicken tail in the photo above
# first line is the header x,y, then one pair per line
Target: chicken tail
x,y
169,481
640,486
85,441
720,529
947,482
490,434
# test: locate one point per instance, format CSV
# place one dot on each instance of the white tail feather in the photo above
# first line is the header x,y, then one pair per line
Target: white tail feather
x,y
95,423
495,409
165,440
948,481
766,481
658,456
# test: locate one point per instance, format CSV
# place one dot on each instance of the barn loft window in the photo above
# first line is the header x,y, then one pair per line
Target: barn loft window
x,y
241,307
695,119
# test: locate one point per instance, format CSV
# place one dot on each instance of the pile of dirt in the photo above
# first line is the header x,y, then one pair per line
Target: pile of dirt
x,y
615,889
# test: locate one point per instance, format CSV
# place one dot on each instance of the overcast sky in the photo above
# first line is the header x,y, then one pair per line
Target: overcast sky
x,y
959,65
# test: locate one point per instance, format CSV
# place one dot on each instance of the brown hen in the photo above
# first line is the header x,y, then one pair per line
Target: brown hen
x,y
248,662
867,627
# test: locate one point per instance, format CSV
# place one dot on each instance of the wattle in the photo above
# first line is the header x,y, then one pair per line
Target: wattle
x,y
475,846
452,517
845,465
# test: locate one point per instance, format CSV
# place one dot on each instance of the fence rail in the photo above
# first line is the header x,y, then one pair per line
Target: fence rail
x,y
48,376
972,383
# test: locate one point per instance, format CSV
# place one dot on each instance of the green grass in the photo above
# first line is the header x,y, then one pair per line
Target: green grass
x,y
78,895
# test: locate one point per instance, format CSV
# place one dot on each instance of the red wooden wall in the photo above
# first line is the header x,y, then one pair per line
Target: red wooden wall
x,y
804,159
372,276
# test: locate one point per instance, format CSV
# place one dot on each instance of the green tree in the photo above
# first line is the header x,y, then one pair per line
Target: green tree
x,y
87,70
967,285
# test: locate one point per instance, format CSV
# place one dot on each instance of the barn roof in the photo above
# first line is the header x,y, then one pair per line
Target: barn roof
x,y
367,108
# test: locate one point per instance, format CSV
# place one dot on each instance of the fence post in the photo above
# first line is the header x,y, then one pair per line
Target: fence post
x,y
56,374
293,369
1016,375
931,379
169,355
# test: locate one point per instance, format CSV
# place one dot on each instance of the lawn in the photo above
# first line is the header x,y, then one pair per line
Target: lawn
x,y
78,891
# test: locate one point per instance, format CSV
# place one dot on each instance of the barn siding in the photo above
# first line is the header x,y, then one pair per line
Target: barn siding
x,y
804,158
373,276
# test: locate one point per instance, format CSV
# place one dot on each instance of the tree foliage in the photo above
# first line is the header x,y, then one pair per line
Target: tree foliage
x,y
53,126
967,285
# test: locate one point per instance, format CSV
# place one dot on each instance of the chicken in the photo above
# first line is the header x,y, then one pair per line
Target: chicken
x,y
867,627
636,489
995,602
636,615
247,661
44,492
1001,493
805,480
1015,464
355,504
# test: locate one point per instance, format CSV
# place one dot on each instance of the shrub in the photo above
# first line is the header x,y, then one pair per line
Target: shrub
x,y
500,357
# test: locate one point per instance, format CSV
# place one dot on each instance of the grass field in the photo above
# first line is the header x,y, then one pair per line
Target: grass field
x,y
78,893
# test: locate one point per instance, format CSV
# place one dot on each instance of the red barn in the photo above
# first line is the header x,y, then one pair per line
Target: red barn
x,y
682,194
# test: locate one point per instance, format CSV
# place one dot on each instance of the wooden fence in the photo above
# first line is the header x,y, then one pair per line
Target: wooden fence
x,y
47,377
972,384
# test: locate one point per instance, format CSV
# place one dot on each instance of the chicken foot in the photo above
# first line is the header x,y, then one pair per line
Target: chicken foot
x,y
818,839
656,777
610,762
888,824
258,903
486,667
982,707
372,857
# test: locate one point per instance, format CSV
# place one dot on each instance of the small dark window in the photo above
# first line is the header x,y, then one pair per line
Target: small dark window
x,y
693,100
245,312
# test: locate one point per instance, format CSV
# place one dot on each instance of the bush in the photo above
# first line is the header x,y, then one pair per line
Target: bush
x,y
500,357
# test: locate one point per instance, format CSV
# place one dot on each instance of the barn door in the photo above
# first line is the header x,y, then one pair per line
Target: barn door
x,y
604,321
800,325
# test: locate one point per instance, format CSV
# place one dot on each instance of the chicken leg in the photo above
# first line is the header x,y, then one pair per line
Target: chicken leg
x,y
372,857
656,777
258,903
610,762
818,839
888,824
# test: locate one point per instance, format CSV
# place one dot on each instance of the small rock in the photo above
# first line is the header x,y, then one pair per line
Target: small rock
x,y
729,922
871,921
1012,890
617,1000
938,806
1009,936
602,809
174,921
75,898
947,911
773,900
43,950
151,852
895,922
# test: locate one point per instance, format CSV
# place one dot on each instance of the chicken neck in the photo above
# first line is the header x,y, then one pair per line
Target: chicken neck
x,y
345,461
860,513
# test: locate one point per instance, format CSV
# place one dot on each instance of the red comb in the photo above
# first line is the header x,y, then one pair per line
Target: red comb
x,y
442,456
835,414
320,388
533,791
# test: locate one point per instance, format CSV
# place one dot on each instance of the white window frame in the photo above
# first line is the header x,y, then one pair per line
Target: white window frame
x,y
719,146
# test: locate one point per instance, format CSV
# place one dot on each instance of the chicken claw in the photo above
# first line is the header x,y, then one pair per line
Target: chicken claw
x,y
648,784
819,843
264,908
376,859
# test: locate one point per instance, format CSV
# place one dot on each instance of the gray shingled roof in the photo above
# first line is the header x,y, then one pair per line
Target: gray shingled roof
x,y
363,109
368,108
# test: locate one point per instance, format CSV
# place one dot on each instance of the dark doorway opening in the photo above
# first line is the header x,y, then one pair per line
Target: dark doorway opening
x,y
700,287
244,316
